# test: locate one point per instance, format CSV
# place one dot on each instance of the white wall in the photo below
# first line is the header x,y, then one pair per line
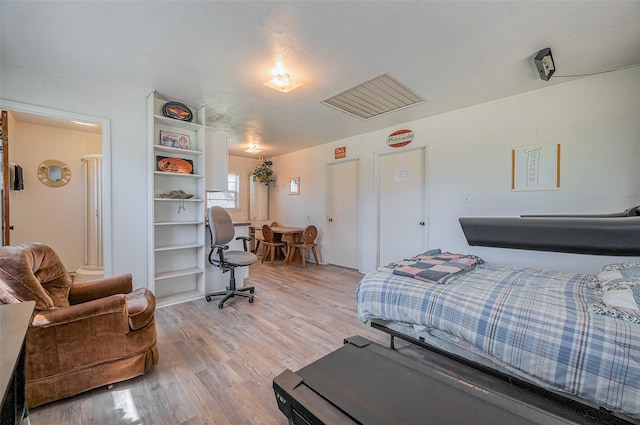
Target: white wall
x,y
52,215
127,112
594,119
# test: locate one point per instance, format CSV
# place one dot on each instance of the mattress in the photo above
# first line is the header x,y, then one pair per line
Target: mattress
x,y
539,324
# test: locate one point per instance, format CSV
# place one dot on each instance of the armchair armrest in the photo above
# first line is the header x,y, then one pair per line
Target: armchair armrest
x,y
70,338
90,311
82,292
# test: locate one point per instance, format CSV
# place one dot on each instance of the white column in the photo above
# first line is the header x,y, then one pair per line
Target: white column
x,y
92,266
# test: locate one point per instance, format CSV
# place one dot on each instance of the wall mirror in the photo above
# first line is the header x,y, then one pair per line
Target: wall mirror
x,y
294,185
54,173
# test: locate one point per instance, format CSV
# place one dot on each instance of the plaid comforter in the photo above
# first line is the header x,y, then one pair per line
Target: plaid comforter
x,y
538,322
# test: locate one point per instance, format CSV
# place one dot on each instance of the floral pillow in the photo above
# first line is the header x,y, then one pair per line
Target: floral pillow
x,y
622,294
619,271
620,299
600,308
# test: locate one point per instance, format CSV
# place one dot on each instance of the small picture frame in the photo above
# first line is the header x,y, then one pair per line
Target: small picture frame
x,y
174,140
294,185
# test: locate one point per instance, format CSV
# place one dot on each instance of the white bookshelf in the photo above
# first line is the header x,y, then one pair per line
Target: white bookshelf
x,y
177,251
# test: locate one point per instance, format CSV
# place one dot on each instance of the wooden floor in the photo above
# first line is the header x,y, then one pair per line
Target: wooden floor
x,y
217,366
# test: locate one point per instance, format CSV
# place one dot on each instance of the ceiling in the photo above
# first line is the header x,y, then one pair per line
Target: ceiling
x,y
453,54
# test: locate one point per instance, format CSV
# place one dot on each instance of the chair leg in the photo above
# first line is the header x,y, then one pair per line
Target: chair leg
x,y
232,291
315,255
303,254
292,252
265,252
255,251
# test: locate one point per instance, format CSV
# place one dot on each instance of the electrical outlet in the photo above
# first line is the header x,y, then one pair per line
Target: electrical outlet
x,y
466,199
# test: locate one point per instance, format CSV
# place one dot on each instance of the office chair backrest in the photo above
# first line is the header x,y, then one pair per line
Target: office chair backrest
x,y
220,226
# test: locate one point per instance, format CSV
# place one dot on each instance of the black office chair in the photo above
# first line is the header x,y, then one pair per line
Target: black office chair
x,y
222,232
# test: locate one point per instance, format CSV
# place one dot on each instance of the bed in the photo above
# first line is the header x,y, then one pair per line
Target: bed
x,y
573,334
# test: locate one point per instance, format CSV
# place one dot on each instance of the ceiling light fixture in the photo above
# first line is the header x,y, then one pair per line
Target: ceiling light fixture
x,y
281,80
253,148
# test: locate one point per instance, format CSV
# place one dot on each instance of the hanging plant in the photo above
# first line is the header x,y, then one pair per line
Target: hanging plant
x,y
263,173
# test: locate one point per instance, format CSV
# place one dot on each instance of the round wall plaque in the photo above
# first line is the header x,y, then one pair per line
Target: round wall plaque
x,y
400,138
54,173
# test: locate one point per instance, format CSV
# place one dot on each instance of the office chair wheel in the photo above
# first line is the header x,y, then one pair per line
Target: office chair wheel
x,y
251,300
220,306
251,291
208,298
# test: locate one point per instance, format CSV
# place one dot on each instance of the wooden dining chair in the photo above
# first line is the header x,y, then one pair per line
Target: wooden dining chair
x,y
270,244
307,240
260,239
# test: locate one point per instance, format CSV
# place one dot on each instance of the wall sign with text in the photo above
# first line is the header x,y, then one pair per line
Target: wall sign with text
x,y
400,138
535,167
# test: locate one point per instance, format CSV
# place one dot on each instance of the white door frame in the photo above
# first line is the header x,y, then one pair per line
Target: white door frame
x,y
378,195
359,213
106,163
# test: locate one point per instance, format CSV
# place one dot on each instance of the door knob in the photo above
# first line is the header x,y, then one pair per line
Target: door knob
x,y
330,219
421,223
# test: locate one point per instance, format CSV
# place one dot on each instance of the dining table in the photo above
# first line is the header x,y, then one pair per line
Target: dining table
x,y
287,234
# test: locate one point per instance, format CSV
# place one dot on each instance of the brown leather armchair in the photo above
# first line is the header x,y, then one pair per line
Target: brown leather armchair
x,y
83,335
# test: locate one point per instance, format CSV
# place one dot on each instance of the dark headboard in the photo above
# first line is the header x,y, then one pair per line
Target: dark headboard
x,y
604,234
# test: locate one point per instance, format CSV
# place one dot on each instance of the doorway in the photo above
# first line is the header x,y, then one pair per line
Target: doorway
x,y
47,136
344,214
402,229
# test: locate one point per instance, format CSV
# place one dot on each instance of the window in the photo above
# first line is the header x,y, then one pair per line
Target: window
x,y
228,199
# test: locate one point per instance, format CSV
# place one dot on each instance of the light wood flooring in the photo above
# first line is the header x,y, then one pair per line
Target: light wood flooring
x,y
217,366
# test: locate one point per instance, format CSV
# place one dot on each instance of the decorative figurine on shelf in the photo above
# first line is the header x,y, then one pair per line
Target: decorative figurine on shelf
x,y
263,172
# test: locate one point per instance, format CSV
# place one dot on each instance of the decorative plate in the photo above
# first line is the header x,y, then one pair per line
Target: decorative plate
x,y
174,165
177,111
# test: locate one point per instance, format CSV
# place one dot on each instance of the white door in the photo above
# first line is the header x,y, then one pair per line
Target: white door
x,y
402,226
344,215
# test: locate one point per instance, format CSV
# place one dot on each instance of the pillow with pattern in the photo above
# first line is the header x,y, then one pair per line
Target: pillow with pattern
x,y
619,271
622,295
601,308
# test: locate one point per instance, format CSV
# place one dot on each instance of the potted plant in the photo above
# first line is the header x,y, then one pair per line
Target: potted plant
x,y
263,173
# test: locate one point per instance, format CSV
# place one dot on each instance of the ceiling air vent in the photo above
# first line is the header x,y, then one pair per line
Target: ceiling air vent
x,y
375,97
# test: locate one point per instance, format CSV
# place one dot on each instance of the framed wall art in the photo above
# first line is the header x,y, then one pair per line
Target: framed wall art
x,y
294,186
174,140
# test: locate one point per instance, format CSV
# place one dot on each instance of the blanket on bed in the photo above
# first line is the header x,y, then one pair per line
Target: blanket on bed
x,y
538,322
433,266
